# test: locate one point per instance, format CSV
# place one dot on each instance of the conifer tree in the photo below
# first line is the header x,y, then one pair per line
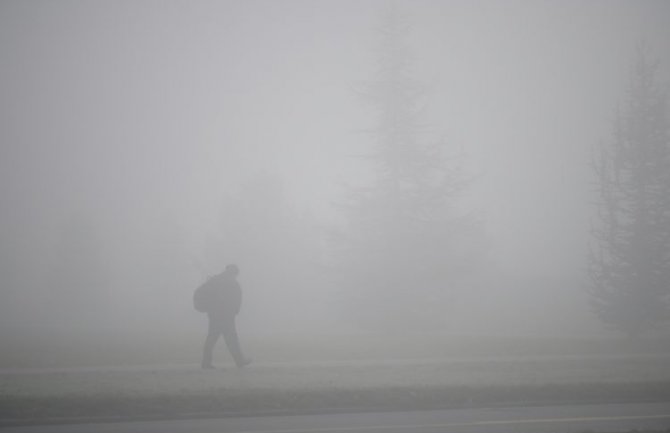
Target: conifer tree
x,y
630,261
404,243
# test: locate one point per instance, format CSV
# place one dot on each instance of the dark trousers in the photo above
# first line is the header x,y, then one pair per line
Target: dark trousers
x,y
222,325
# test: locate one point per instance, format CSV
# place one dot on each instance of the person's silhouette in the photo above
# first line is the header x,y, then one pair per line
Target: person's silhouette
x,y
226,302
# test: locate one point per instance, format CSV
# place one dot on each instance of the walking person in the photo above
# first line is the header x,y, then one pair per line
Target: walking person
x,y
222,299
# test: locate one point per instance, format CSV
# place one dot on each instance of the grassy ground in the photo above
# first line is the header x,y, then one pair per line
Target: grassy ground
x,y
39,350
121,378
226,402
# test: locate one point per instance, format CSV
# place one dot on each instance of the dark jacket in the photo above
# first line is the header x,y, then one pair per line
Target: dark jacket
x,y
227,297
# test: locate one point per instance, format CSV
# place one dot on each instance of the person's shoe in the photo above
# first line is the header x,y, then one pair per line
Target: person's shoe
x,y
208,367
244,362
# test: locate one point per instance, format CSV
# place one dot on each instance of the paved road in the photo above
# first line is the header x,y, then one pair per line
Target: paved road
x,y
556,419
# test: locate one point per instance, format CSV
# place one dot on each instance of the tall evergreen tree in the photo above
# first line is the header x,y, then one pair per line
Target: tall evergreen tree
x,y
630,264
404,242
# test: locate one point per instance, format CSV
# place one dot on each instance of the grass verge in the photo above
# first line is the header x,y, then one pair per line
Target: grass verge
x,y
241,402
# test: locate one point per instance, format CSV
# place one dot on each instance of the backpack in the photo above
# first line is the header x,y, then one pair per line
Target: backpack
x,y
205,294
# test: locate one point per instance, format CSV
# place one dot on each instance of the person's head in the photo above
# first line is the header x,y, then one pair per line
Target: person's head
x,y
232,269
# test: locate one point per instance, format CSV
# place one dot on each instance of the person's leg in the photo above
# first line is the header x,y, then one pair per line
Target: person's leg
x,y
213,333
233,342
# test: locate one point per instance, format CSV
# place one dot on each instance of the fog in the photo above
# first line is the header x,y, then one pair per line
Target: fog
x,y
145,145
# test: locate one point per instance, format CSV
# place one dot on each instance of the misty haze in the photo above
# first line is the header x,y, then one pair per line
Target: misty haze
x,y
414,194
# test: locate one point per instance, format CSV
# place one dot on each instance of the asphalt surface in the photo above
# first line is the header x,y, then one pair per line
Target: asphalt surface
x,y
608,418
